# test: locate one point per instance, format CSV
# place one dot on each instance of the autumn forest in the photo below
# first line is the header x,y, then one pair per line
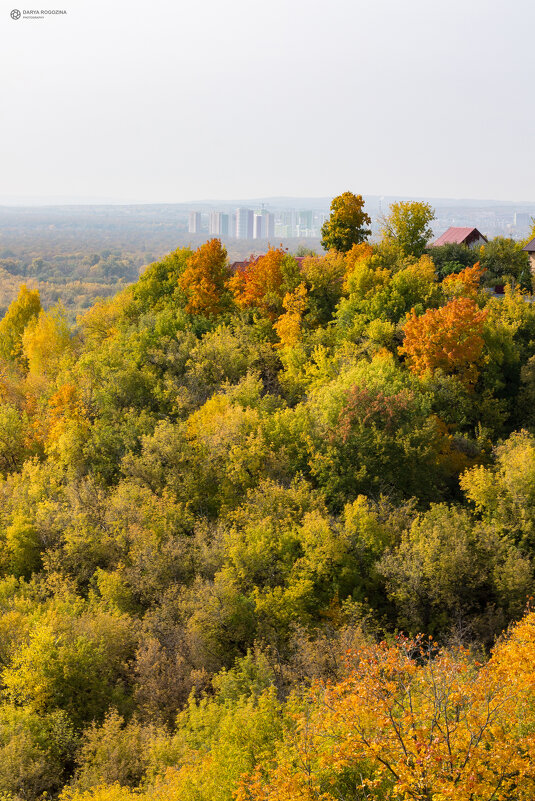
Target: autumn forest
x,y
267,531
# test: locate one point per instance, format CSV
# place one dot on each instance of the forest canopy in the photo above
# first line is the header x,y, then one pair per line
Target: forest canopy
x,y
262,529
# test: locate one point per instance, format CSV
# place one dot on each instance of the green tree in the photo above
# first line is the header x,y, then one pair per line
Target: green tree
x,y
452,258
447,570
371,431
347,224
505,261
408,226
34,753
74,660
504,493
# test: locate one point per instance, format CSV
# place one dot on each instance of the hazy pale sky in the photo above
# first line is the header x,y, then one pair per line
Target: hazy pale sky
x,y
160,101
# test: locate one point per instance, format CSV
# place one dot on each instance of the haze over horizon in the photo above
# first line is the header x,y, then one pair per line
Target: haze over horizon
x,y
173,104
274,200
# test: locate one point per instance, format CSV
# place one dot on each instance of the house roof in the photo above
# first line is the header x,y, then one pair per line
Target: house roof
x,y
240,266
458,236
530,247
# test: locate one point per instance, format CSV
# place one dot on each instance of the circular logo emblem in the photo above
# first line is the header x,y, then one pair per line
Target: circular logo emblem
x,y
15,14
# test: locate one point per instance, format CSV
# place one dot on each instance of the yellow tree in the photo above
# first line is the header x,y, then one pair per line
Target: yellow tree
x,y
288,326
19,314
408,226
46,341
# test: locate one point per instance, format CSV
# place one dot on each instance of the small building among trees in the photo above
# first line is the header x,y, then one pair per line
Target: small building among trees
x,y
530,249
471,237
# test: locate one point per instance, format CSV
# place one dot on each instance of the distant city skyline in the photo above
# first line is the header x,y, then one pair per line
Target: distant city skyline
x,y
281,223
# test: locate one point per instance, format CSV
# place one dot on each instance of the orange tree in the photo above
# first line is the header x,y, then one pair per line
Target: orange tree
x,y
449,338
204,279
411,722
264,281
464,284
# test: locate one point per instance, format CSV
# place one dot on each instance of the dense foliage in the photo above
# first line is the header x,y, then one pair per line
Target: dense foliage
x,y
221,497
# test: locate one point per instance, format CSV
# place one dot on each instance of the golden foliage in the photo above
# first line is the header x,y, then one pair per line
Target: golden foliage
x,y
19,314
259,283
412,722
347,222
288,326
357,252
464,284
204,279
449,338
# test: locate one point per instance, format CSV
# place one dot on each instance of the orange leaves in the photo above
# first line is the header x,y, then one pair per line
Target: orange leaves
x,y
203,281
259,283
412,722
357,252
464,284
369,408
449,338
64,405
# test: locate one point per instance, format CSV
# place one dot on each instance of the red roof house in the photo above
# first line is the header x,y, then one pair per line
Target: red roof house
x,y
470,237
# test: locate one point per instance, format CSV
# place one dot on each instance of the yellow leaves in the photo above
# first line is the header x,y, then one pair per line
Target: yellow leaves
x,y
64,406
19,314
480,487
101,321
346,224
46,341
422,270
113,792
364,276
327,269
407,226
288,326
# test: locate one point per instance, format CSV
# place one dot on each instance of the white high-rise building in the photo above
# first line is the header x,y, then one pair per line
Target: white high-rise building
x,y
258,227
269,225
264,225
219,223
244,223
194,226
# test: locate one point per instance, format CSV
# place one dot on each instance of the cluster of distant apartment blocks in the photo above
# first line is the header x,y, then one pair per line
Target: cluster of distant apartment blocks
x,y
246,223
249,224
